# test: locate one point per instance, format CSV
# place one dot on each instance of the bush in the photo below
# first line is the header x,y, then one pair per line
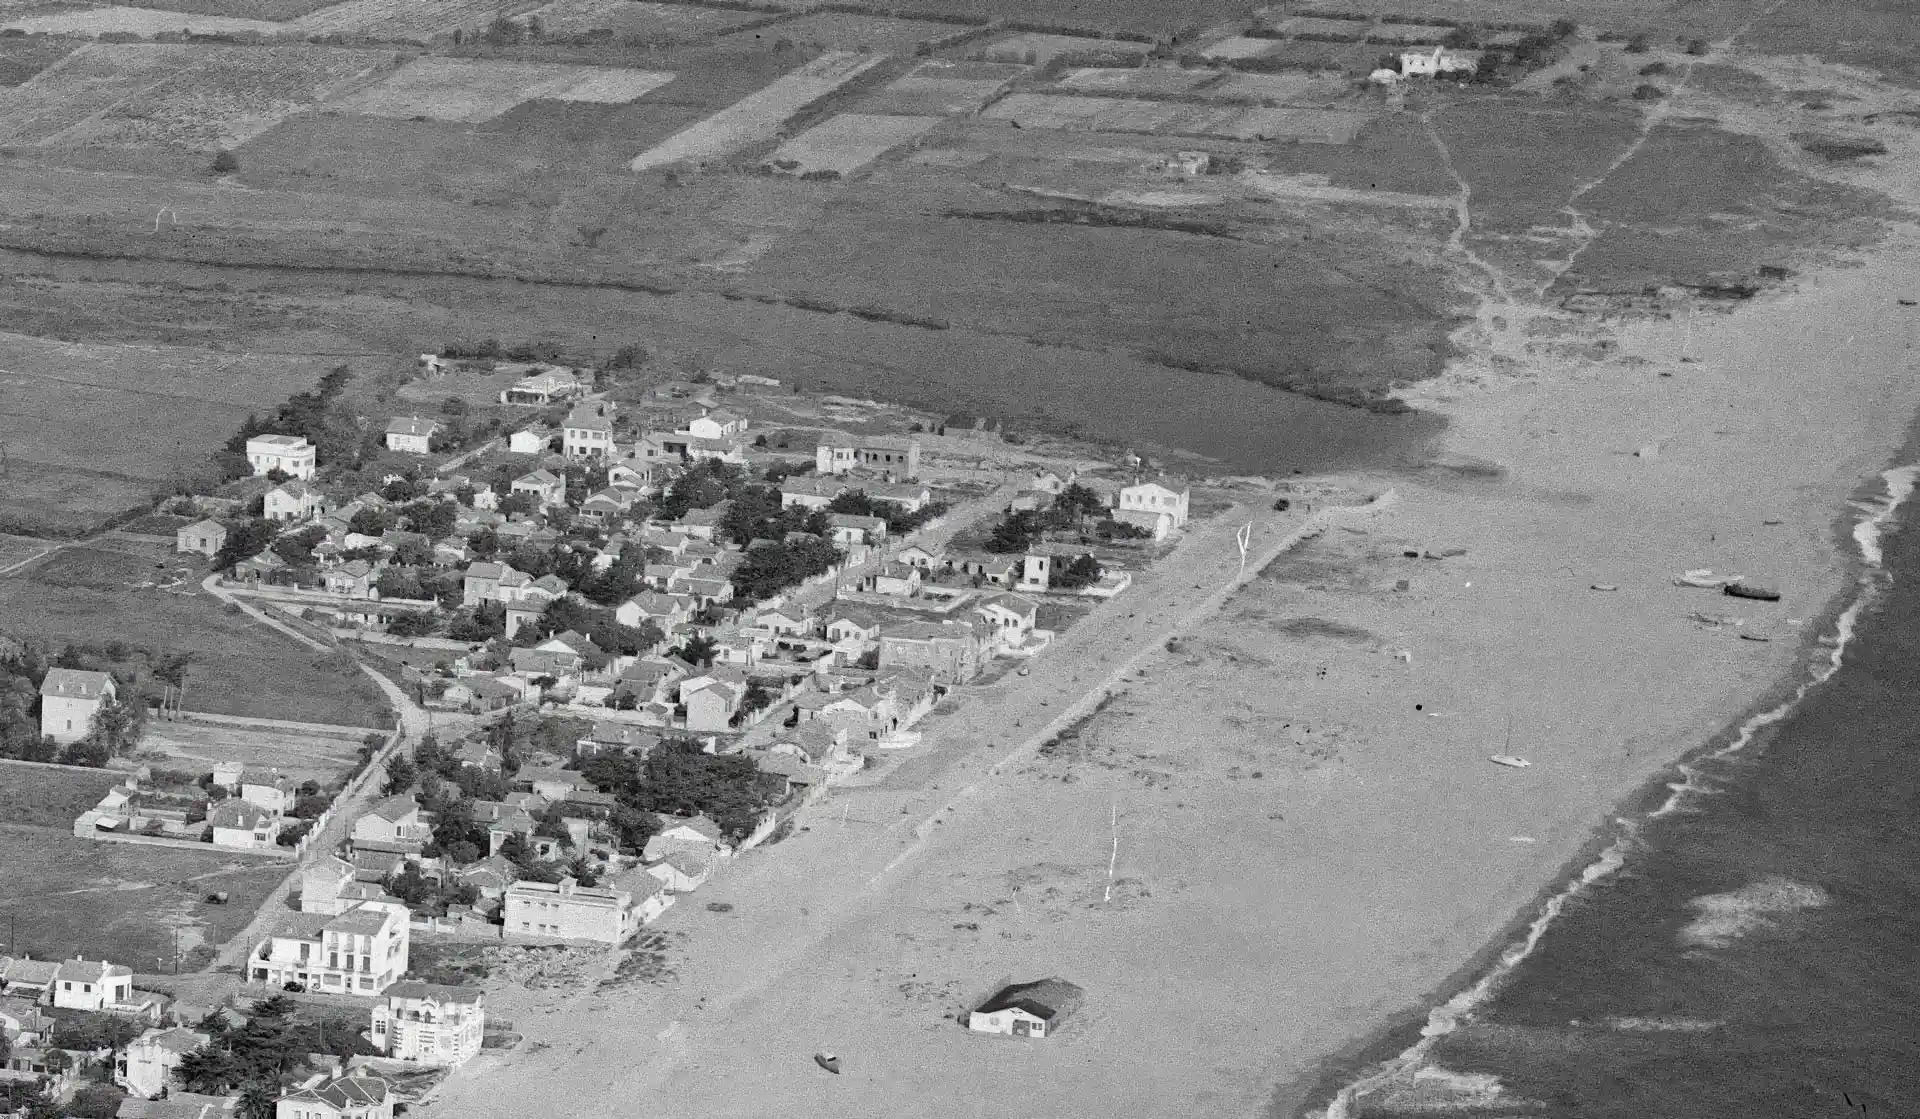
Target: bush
x,y
1637,44
1646,92
225,162
1696,47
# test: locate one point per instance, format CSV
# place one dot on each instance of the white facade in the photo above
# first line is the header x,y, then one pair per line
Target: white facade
x,y
429,1023
567,910
92,985
587,434
361,952
146,1067
290,454
1152,506
411,435
69,699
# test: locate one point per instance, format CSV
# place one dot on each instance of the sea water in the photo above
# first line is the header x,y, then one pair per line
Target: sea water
x,y
1747,941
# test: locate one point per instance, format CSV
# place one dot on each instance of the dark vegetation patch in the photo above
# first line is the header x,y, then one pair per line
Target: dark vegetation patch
x,y
1323,628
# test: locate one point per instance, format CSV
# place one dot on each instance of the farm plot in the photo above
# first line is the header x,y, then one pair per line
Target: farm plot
x,y
1268,88
470,91
843,32
1108,114
137,21
1239,46
406,20
1328,30
848,142
1408,34
654,23
91,80
22,57
937,88
91,428
226,96
1036,49
300,755
758,116
144,595
1141,80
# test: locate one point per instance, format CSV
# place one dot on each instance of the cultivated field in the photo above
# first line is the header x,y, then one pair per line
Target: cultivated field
x,y
758,116
1110,114
848,142
1274,88
92,429
470,91
1136,80
1238,46
654,23
843,32
63,896
222,98
406,20
1036,49
278,11
197,747
22,58
45,796
141,593
136,21
939,88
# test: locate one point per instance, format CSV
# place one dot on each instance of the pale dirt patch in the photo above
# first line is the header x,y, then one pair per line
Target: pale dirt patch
x,y
138,21
469,91
757,116
848,142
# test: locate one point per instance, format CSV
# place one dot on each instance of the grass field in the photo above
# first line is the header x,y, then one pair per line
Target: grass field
x,y
51,796
274,10
939,88
1037,49
471,91
657,23
1114,114
22,58
90,429
196,748
137,21
843,32
406,20
62,896
142,594
757,116
175,94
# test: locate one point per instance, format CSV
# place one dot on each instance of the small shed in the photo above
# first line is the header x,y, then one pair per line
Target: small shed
x,y
1027,1009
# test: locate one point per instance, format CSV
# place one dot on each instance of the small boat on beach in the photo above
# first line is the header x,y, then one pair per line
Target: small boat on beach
x,y
1510,761
828,1061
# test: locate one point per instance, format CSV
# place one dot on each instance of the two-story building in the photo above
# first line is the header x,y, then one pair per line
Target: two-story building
x,y
587,433
69,699
429,1023
293,501
544,486
393,822
360,952
566,910
1156,508
950,650
889,456
412,435
145,1067
291,455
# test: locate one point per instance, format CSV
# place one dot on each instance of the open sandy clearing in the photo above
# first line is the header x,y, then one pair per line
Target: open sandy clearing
x,y
136,21
848,142
1239,46
473,91
758,116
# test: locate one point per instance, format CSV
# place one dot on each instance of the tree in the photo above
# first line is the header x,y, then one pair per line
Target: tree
x,y
410,886
258,1100
756,698
1083,571
699,650
401,774
96,1101
632,827
225,162
1016,532
245,540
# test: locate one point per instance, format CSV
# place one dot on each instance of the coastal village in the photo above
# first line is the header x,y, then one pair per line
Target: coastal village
x,y
646,628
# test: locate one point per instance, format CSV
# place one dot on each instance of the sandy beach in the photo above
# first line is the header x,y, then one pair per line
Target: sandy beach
x,y
1283,831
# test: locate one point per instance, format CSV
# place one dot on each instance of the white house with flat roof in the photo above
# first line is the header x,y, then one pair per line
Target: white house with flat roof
x,y
360,952
292,455
1157,508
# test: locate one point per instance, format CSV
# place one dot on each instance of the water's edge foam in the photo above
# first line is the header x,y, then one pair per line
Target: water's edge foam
x,y
1685,780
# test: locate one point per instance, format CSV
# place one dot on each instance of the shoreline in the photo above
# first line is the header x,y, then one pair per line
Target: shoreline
x,y
1398,1048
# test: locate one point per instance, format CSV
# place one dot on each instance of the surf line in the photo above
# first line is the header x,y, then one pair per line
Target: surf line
x,y
1448,1016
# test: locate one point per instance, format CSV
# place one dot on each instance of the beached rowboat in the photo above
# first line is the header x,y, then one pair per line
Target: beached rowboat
x,y
1510,761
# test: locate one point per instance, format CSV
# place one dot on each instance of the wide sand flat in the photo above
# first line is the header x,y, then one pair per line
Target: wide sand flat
x,y
1300,851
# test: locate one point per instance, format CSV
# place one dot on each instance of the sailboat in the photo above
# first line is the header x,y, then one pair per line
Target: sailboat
x,y
1509,759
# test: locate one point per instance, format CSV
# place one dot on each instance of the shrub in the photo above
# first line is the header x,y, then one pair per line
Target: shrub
x,y
1696,47
225,162
1647,92
1637,44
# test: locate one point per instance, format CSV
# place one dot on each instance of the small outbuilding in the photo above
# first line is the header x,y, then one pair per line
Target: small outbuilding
x,y
1027,1009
